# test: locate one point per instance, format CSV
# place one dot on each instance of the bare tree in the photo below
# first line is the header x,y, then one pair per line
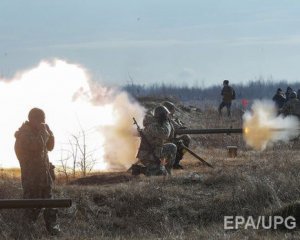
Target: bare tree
x,y
86,160
77,157
74,153
64,169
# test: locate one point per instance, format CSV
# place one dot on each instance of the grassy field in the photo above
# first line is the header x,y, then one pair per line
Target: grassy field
x,y
189,205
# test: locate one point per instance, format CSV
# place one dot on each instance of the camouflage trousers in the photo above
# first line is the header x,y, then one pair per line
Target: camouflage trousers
x,y
228,107
186,140
159,162
31,215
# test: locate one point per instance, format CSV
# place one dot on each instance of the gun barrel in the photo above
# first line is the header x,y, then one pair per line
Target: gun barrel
x,y
35,203
209,131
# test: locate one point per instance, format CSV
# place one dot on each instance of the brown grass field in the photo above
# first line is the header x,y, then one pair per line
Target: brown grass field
x,y
189,205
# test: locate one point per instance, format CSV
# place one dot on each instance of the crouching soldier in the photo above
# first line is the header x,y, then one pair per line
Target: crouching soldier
x,y
154,152
292,106
33,141
185,139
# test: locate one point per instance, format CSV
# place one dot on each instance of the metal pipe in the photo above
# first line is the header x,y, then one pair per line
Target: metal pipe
x,y
209,131
35,203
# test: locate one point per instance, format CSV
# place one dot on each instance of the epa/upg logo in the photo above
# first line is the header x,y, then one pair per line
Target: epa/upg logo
x,y
260,222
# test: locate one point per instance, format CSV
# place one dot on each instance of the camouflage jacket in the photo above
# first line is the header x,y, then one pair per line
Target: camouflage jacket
x,y
148,119
173,121
32,148
177,123
156,135
291,107
228,94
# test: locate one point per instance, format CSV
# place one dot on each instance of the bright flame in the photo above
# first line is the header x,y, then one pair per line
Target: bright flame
x,y
262,126
73,104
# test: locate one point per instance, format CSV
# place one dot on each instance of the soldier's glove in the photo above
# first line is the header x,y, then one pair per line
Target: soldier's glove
x,y
44,133
48,130
51,171
180,143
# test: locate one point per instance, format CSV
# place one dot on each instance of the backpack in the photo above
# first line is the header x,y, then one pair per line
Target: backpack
x,y
228,93
233,94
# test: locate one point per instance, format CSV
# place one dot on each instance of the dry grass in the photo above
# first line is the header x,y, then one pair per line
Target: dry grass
x,y
189,205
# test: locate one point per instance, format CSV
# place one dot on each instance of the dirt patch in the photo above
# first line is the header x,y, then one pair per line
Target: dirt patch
x,y
104,178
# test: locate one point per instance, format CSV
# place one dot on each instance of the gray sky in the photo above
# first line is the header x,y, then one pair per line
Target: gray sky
x,y
184,42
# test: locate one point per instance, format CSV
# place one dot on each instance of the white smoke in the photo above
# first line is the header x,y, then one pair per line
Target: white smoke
x,y
73,103
263,127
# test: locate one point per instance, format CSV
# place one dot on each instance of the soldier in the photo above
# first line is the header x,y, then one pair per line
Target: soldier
x,y
33,141
288,92
185,139
292,107
155,153
228,94
279,98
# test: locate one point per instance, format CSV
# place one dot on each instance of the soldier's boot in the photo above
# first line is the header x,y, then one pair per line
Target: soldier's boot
x,y
50,217
179,156
137,170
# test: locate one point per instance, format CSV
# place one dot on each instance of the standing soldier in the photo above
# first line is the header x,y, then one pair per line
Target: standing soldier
x,y
33,141
185,139
155,153
228,94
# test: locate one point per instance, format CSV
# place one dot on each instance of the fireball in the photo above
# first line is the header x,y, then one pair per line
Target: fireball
x,y
75,107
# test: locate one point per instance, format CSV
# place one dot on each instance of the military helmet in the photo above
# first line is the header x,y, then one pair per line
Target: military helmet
x,y
36,114
293,94
170,106
161,113
226,82
289,89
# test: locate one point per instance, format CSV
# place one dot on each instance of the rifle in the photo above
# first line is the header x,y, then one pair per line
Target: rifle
x,y
144,138
195,155
137,126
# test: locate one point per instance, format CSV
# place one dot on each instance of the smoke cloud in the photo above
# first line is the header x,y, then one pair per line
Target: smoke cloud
x,y
263,127
75,105
121,145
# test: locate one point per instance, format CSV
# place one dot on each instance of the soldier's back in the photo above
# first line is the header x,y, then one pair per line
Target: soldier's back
x,y
157,133
295,106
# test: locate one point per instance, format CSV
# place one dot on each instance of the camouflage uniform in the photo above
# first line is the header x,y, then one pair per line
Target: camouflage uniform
x,y
154,150
291,107
37,173
185,139
279,99
149,118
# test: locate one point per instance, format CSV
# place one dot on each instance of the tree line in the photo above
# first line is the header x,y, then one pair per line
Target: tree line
x,y
258,89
